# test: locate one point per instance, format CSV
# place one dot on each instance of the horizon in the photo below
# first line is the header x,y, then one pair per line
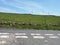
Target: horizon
x,y
27,14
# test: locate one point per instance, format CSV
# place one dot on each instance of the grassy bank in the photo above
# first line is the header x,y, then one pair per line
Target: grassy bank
x,y
29,21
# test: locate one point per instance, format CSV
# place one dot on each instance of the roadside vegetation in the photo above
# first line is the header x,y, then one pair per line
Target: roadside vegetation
x,y
29,21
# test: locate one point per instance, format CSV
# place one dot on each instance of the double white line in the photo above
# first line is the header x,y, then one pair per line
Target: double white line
x,y
21,35
4,35
17,35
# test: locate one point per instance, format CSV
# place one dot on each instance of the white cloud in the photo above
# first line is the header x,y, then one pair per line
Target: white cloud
x,y
33,6
3,9
28,6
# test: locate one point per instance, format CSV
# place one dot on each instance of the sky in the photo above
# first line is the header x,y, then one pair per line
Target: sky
x,y
51,7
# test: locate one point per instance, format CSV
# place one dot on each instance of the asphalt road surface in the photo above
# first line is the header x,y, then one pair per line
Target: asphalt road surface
x,y
29,37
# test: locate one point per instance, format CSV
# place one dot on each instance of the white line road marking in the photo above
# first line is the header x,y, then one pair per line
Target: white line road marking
x,y
2,42
21,37
53,37
4,33
58,34
49,34
39,37
46,41
35,34
20,33
4,36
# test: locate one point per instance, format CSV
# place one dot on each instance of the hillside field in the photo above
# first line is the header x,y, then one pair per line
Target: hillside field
x,y
29,21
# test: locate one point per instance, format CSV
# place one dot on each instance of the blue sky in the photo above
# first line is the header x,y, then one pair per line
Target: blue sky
x,y
51,7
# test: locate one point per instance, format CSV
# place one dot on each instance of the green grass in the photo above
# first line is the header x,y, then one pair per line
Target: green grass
x,y
43,21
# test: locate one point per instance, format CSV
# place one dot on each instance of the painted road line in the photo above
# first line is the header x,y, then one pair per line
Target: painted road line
x,y
35,34
21,37
39,37
4,33
58,34
45,40
49,34
4,36
20,33
2,42
53,37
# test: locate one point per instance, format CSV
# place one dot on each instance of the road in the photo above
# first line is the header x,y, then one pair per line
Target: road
x,y
29,37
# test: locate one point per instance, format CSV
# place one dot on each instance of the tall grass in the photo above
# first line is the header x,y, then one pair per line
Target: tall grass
x,y
42,21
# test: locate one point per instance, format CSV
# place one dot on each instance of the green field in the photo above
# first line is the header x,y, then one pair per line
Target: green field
x,y
29,21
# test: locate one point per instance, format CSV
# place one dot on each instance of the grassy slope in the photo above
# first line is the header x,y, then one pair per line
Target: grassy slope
x,y
48,21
